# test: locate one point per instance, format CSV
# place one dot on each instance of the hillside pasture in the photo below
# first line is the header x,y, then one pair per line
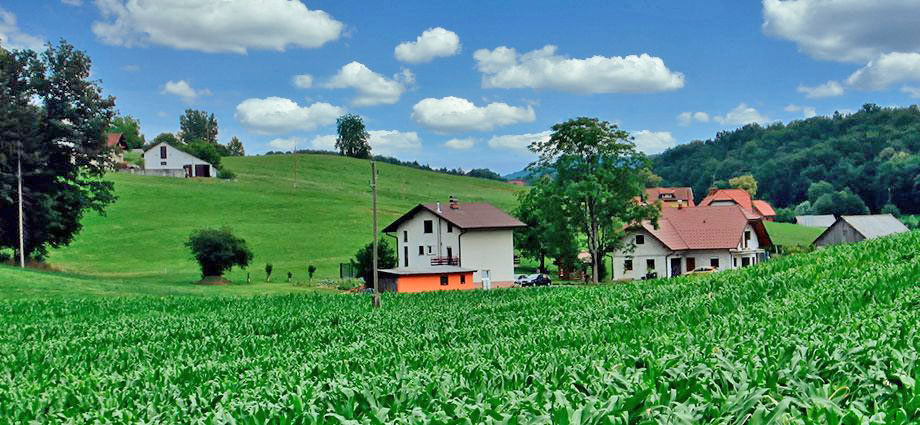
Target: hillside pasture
x,y
791,234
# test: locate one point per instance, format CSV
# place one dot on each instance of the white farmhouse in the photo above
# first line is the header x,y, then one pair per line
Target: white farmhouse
x,y
166,160
722,237
444,247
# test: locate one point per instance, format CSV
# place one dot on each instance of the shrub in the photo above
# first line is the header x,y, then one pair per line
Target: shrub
x,y
891,209
268,272
364,260
290,277
785,215
310,270
226,174
217,251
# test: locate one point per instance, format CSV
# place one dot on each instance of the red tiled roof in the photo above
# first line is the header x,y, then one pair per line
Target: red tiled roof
x,y
469,215
680,193
763,208
739,196
720,227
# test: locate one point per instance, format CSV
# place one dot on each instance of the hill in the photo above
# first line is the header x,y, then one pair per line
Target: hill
x,y
874,152
828,337
321,217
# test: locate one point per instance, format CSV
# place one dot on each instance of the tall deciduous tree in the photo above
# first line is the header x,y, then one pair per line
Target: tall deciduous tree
x,y
746,182
57,116
235,147
130,129
197,125
546,234
353,139
598,176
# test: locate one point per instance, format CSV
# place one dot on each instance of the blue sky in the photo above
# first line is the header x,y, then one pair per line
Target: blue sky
x,y
474,82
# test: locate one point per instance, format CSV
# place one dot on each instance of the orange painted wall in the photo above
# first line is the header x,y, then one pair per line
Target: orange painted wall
x,y
432,282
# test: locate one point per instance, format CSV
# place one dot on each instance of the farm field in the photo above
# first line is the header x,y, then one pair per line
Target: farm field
x,y
321,221
830,337
791,234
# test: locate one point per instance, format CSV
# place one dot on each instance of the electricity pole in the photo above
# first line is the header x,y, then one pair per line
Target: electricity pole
x,y
22,245
376,300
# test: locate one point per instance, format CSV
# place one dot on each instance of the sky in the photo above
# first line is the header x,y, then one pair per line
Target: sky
x,y
471,84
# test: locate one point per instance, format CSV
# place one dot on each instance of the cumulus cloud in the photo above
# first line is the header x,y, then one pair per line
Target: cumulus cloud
x,y
324,142
302,81
518,143
285,144
433,43
184,90
845,30
912,91
686,118
392,142
503,67
807,111
740,115
888,69
828,89
652,142
12,37
275,115
460,144
215,25
371,87
454,114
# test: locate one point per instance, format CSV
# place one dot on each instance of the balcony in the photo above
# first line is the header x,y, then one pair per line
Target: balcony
x,y
445,261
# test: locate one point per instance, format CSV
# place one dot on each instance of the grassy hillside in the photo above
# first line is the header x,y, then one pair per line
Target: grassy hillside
x,y
321,217
790,234
829,337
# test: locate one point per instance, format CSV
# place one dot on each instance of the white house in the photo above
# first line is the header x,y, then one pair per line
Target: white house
x,y
723,237
440,246
166,160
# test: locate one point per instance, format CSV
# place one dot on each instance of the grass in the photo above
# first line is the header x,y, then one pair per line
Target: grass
x,y
321,217
791,234
830,337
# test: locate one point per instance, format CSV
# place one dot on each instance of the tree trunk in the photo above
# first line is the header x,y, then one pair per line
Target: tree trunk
x,y
542,263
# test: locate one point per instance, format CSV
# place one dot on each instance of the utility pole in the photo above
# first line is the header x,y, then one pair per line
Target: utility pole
x,y
376,300
22,245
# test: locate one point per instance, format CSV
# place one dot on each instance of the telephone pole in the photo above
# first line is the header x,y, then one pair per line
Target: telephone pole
x,y
22,245
376,300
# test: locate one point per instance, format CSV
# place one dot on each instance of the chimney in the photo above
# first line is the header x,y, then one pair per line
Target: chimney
x,y
453,203
439,207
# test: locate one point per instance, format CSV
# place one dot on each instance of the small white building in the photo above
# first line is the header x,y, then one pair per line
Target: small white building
x,y
722,237
455,238
166,160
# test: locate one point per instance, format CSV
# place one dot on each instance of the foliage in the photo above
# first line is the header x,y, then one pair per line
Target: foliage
x,y
226,174
746,182
204,151
891,209
218,250
544,236
598,174
61,141
235,147
484,173
870,152
785,215
310,270
268,272
352,137
364,259
831,337
841,202
168,138
130,129
198,125
651,179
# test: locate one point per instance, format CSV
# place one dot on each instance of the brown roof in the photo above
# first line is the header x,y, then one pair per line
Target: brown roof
x,y
739,196
719,227
763,208
468,216
680,193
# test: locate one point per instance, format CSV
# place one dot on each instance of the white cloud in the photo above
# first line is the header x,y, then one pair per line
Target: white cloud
x,y
371,87
286,144
433,43
518,143
807,111
652,142
740,115
686,118
503,67
274,115
215,25
912,91
828,89
845,30
11,37
888,69
184,90
302,81
72,2
391,142
324,142
460,144
455,114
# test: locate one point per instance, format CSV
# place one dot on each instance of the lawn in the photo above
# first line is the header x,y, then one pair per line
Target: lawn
x,y
791,234
292,210
830,337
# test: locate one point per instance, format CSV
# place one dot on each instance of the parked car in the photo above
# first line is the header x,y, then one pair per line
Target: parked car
x,y
703,270
538,279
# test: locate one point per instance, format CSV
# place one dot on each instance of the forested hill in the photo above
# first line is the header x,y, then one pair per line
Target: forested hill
x,y
875,153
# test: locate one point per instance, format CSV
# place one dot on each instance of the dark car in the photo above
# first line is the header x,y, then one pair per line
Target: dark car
x,y
533,280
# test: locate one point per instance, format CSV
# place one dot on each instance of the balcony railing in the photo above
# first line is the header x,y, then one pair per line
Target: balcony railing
x,y
445,261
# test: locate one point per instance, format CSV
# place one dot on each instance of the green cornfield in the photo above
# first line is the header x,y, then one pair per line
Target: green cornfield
x,y
831,337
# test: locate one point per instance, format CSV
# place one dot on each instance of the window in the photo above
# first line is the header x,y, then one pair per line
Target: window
x,y
640,239
627,265
747,237
735,262
450,252
405,256
450,228
421,250
443,280
745,262
429,226
650,265
462,279
429,249
405,236
714,262
163,152
162,162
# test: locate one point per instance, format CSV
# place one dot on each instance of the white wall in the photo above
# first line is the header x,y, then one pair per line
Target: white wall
x,y
652,249
414,228
175,159
491,250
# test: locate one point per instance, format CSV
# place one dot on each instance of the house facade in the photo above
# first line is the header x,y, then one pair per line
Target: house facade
x,y
855,228
452,246
673,197
740,197
724,237
166,160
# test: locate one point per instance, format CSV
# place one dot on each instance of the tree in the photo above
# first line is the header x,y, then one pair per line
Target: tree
x,y
56,117
545,235
818,189
746,182
310,270
168,138
235,147
198,125
364,259
598,176
843,202
651,179
484,173
203,150
217,251
130,129
352,137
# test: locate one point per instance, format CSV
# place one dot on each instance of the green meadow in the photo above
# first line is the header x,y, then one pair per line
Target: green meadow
x,y
791,234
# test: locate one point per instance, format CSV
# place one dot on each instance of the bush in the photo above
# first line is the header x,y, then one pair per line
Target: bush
x,y
268,272
891,209
310,270
226,174
217,251
364,260
785,215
